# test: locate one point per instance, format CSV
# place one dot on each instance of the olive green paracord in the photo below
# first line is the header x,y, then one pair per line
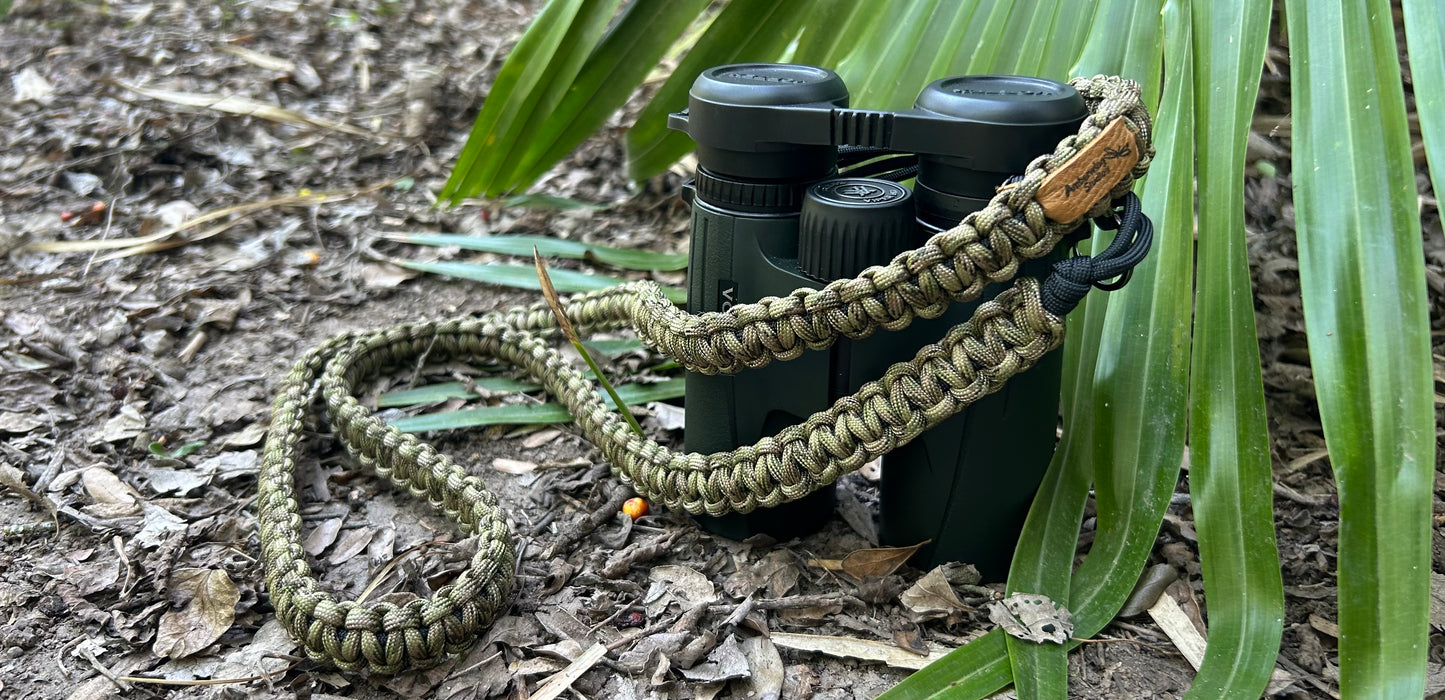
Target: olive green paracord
x,y
1006,335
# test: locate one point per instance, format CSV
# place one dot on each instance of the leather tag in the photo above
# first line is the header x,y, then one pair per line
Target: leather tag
x,y
1069,192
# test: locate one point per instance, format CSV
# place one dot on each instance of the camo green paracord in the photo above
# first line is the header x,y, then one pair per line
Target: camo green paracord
x,y
1005,336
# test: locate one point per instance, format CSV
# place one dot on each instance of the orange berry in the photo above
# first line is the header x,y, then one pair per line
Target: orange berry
x,y
635,508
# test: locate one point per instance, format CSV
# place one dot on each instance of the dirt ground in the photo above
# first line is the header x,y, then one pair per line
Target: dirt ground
x,y
137,388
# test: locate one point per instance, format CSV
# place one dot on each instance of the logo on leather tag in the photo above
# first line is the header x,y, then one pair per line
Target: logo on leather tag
x,y
1068,193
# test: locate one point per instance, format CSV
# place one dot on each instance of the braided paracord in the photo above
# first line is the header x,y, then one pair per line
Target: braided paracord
x,y
1004,337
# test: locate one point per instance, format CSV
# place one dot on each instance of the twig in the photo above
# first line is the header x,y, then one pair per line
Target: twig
x,y
593,521
639,553
1293,495
208,681
561,680
808,601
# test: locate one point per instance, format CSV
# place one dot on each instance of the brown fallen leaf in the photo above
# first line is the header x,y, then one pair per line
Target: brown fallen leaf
x,y
352,543
210,612
932,596
870,563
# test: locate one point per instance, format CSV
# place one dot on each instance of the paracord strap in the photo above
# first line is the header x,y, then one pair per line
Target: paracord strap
x,y
1005,336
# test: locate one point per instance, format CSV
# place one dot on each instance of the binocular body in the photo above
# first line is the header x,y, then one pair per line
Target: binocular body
x,y
771,213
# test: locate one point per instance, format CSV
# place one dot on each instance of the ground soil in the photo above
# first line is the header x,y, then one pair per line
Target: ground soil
x,y
112,367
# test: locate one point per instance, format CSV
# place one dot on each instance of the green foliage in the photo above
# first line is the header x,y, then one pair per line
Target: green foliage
x,y
519,245
534,413
1228,436
1362,278
1170,345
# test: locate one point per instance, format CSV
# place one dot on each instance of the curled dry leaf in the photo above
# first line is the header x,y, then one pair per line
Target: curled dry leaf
x,y
200,622
932,596
870,563
1032,617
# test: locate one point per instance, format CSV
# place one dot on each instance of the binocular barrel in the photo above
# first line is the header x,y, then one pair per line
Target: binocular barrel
x,y
771,214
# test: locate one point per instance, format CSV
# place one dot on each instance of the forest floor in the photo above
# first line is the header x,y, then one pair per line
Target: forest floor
x,y
137,388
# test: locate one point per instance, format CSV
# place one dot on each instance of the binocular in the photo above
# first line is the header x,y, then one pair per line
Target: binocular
x,y
794,189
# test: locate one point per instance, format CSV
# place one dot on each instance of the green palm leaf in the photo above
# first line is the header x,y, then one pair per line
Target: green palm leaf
x,y
1362,277
1425,32
536,76
1229,441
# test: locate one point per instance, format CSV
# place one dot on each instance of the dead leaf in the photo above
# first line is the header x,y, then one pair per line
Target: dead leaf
x,y
1033,617
1325,626
766,680
690,584
231,465
180,482
125,425
159,524
513,466
853,648
250,435
12,422
30,85
932,596
540,438
264,654
776,572
908,636
197,625
667,416
726,662
382,275
1150,586
352,543
870,563
106,488
323,536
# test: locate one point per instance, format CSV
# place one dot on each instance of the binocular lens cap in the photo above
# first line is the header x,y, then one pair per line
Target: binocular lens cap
x,y
768,84
851,223
1003,99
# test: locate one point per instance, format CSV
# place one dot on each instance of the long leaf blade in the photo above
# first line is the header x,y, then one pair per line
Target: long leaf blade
x,y
1142,375
1044,559
534,414
1229,441
525,277
521,245
1362,278
975,670
432,393
1425,33
629,51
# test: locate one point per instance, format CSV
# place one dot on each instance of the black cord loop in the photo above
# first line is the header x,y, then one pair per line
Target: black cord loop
x,y
1073,277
